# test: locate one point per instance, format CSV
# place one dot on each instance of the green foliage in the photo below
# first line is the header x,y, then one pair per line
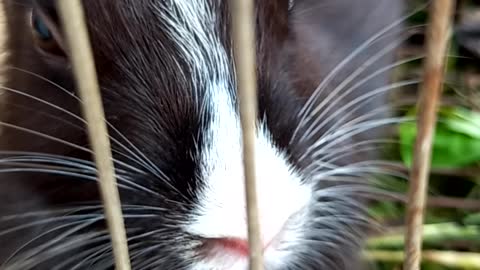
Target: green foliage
x,y
456,140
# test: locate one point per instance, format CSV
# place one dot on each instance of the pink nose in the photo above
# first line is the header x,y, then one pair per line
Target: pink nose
x,y
234,245
237,246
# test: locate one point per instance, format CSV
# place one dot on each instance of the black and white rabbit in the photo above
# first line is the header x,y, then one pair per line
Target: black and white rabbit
x,y
166,71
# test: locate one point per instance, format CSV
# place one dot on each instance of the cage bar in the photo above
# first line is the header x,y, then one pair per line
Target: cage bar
x,y
73,20
438,33
243,27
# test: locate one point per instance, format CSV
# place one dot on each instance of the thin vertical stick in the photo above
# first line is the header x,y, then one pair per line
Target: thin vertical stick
x,y
244,42
71,13
441,14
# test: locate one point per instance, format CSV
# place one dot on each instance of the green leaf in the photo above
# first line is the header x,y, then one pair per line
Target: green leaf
x,y
456,140
473,219
461,121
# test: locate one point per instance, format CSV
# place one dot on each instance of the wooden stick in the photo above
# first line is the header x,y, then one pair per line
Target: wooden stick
x,y
436,201
437,42
72,16
465,172
461,260
244,43
439,235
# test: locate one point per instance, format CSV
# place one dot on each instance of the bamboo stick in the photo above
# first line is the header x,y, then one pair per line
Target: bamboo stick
x,y
440,234
244,47
437,42
459,260
72,16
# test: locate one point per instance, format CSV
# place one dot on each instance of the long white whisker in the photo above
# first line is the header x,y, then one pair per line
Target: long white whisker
x,y
89,253
150,166
74,165
47,162
95,252
382,109
327,102
364,97
83,224
342,125
356,168
335,94
55,139
48,115
47,221
362,127
66,112
339,154
76,242
348,126
57,172
344,62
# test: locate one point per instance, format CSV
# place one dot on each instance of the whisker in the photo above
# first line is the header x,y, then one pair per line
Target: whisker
x,y
52,138
47,115
370,166
97,253
351,112
74,243
43,135
339,95
361,146
57,172
77,164
36,161
88,255
338,98
83,224
363,97
66,211
352,130
62,110
45,79
347,59
47,221
359,121
42,163
148,164
72,172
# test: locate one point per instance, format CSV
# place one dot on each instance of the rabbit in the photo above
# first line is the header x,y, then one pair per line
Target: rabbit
x,y
166,70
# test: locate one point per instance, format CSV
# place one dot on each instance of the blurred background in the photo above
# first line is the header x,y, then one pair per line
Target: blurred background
x,y
452,225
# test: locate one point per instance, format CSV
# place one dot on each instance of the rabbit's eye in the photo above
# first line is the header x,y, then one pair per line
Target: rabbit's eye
x,y
43,36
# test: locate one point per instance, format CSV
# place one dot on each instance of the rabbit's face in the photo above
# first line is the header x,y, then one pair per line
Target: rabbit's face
x,y
166,71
